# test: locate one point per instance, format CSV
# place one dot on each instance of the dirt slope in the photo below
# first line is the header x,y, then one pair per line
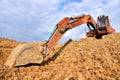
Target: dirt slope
x,y
87,59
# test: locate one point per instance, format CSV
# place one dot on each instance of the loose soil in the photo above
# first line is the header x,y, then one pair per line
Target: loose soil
x,y
87,59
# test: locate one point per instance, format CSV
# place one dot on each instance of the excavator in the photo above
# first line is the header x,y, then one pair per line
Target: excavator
x,y
35,52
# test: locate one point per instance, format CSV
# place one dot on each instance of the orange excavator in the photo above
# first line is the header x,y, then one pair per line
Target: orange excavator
x,y
35,52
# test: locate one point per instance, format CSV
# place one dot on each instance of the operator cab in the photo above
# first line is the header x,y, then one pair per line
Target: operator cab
x,y
102,22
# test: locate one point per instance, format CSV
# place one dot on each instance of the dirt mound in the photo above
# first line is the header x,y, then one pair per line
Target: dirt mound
x,y
87,59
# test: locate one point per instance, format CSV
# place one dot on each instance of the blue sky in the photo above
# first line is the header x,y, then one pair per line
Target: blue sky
x,y
33,20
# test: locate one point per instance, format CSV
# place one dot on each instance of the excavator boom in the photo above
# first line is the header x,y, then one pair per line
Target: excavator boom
x,y
66,24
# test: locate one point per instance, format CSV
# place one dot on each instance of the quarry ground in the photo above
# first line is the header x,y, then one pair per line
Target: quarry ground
x,y
87,59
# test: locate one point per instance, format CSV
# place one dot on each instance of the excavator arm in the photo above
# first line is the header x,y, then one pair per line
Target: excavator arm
x,y
66,24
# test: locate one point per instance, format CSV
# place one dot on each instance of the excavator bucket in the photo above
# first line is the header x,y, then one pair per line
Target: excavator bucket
x,y
29,53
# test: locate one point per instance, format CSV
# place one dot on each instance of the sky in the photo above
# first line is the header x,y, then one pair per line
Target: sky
x,y
34,20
